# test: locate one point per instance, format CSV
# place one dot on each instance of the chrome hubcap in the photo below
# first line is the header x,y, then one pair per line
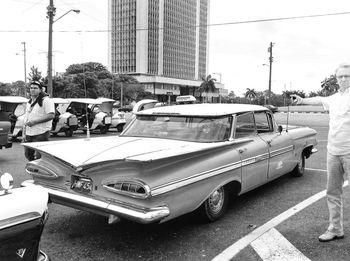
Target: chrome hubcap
x,y
216,200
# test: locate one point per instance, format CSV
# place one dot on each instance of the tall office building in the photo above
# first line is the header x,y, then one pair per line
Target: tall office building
x,y
162,43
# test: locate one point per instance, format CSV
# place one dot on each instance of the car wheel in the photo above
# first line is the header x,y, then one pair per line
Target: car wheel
x,y
120,128
215,205
103,129
68,132
299,169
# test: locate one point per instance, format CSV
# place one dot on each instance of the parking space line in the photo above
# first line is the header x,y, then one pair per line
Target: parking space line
x,y
239,245
272,246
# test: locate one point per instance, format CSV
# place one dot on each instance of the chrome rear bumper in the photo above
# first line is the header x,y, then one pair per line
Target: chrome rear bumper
x,y
122,210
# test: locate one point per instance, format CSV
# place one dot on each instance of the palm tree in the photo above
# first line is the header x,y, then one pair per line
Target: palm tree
x,y
208,85
250,94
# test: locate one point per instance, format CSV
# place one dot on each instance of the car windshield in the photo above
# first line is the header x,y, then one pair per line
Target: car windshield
x,y
187,128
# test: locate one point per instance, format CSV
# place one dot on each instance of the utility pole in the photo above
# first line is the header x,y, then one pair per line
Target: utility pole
x,y
270,74
25,68
51,10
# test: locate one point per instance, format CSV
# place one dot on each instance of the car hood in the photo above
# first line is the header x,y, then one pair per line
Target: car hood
x,y
88,151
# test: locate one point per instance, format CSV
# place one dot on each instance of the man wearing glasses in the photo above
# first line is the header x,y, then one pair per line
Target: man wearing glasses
x,y
338,148
40,112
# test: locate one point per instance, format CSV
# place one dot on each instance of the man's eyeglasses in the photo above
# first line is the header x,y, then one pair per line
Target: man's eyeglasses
x,y
347,77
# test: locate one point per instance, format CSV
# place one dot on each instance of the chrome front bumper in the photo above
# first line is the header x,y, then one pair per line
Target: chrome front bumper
x,y
122,210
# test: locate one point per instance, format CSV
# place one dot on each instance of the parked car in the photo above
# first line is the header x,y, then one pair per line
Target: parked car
x,y
186,99
22,218
64,121
5,140
118,118
172,160
144,105
90,113
12,109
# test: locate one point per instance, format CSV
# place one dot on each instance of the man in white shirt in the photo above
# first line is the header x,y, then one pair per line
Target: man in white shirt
x,y
338,148
38,119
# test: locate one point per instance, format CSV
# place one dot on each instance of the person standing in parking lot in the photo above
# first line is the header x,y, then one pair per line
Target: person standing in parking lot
x,y
40,112
338,148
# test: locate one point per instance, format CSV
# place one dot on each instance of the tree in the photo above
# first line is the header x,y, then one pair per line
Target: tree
x,y
35,74
250,94
207,85
5,89
86,67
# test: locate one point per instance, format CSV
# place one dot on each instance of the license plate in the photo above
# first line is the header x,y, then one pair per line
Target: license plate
x,y
108,120
81,184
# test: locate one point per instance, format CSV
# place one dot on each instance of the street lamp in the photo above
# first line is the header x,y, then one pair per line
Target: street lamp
x,y
51,11
25,66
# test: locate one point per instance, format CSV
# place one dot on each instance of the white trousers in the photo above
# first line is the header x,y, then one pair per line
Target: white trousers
x,y
338,170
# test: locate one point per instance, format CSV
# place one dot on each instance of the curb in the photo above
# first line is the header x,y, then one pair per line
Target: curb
x,y
314,112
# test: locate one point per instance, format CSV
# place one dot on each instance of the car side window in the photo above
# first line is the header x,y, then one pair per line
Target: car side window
x,y
245,125
263,122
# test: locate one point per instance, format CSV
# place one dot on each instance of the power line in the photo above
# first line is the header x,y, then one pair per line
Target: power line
x,y
183,27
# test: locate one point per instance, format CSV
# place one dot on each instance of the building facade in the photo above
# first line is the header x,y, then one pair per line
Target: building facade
x,y
162,43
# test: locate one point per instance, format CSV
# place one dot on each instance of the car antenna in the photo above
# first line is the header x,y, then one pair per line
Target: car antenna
x,y
288,103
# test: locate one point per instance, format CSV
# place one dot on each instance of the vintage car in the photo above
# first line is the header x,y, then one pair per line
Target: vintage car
x,y
22,218
12,109
90,114
64,121
5,140
118,118
185,99
172,160
144,105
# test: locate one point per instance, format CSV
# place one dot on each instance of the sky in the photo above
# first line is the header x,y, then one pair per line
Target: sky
x,y
305,50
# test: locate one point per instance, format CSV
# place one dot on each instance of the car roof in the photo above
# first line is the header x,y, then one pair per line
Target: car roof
x,y
85,100
13,99
60,100
102,99
204,109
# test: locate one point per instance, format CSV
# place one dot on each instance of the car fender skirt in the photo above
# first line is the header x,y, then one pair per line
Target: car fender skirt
x,y
122,210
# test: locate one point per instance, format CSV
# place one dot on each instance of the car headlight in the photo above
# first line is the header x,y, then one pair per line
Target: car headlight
x,y
6,181
131,188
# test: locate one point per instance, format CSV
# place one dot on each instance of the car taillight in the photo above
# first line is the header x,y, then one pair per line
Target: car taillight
x,y
32,168
131,188
72,121
107,120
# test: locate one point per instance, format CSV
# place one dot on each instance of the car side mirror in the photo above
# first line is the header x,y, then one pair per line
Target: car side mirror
x,y
280,128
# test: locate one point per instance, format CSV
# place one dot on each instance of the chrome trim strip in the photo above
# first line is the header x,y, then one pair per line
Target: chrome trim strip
x,y
13,221
281,151
132,212
194,178
161,189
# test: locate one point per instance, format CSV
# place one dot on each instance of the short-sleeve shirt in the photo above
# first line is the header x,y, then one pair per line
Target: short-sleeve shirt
x,y
338,106
37,112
